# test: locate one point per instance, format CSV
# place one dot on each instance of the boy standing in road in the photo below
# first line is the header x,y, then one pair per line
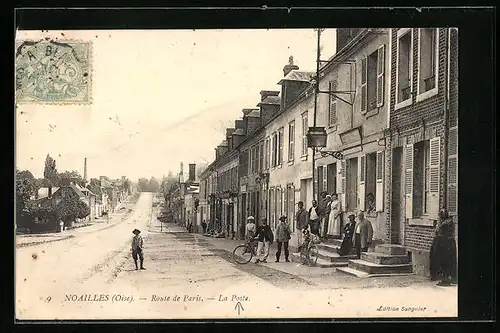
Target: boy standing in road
x,y
137,248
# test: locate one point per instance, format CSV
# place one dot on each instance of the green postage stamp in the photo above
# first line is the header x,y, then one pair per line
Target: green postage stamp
x,y
55,72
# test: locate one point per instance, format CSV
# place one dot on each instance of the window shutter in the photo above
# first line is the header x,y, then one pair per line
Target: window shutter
x,y
332,115
364,75
285,201
434,176
379,205
277,194
291,207
361,177
409,180
343,182
325,178
452,196
380,75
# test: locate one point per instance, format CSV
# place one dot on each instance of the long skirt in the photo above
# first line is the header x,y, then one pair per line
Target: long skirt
x,y
443,258
334,224
346,246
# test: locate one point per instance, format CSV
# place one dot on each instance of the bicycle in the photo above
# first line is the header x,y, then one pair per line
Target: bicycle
x,y
309,252
244,253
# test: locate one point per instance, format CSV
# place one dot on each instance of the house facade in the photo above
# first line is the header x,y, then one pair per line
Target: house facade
x,y
423,141
227,174
251,202
288,161
353,105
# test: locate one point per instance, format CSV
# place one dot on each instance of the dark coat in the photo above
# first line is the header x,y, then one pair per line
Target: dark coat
x,y
346,246
264,233
443,254
302,218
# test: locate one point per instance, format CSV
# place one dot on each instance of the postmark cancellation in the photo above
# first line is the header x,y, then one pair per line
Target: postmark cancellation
x,y
55,72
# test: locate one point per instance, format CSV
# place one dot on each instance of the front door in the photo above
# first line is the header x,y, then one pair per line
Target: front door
x,y
397,197
352,184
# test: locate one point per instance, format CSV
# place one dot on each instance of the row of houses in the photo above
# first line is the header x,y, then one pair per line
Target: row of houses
x,y
387,104
101,195
182,199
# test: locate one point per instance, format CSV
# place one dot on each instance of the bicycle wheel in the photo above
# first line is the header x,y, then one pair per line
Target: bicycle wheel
x,y
313,255
303,257
242,254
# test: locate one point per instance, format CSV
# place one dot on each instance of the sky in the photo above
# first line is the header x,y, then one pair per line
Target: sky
x,y
159,97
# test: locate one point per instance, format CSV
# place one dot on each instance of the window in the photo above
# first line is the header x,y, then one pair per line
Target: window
x,y
257,158
291,141
332,114
372,80
261,160
427,59
280,146
422,178
268,152
331,170
305,128
273,149
404,66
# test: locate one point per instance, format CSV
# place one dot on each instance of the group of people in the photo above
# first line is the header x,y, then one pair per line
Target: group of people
x,y
358,233
265,237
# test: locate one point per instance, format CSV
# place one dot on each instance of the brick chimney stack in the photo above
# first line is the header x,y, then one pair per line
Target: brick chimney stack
x,y
85,171
192,172
289,67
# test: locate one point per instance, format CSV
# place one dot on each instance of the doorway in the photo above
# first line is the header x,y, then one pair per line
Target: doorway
x,y
397,197
303,192
352,184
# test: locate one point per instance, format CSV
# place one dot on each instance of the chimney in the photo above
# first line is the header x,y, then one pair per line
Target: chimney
x,y
251,118
192,172
265,93
85,171
182,168
50,191
344,36
269,105
289,67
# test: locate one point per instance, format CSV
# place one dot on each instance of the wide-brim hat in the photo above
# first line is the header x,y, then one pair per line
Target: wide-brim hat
x,y
250,218
282,218
136,231
348,216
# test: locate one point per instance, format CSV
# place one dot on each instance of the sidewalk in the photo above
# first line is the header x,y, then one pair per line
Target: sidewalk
x,y
328,278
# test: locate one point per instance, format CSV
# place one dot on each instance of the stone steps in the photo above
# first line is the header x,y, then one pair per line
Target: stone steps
x,y
323,263
387,260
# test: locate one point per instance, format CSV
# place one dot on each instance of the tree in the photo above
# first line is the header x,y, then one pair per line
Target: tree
x,y
71,207
50,171
143,184
153,185
26,187
71,174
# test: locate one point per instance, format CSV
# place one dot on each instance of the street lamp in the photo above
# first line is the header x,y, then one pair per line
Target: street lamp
x,y
316,139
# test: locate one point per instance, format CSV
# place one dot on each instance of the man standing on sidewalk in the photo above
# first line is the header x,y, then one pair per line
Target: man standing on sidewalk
x,y
363,234
302,219
314,218
265,237
137,248
282,237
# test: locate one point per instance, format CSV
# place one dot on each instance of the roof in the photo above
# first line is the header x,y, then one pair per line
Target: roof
x,y
254,113
77,190
239,131
298,76
44,191
273,100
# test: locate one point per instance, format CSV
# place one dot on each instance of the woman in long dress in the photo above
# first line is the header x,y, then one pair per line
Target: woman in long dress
x,y
443,255
334,218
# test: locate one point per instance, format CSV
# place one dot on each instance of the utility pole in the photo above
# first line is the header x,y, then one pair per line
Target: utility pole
x,y
316,92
